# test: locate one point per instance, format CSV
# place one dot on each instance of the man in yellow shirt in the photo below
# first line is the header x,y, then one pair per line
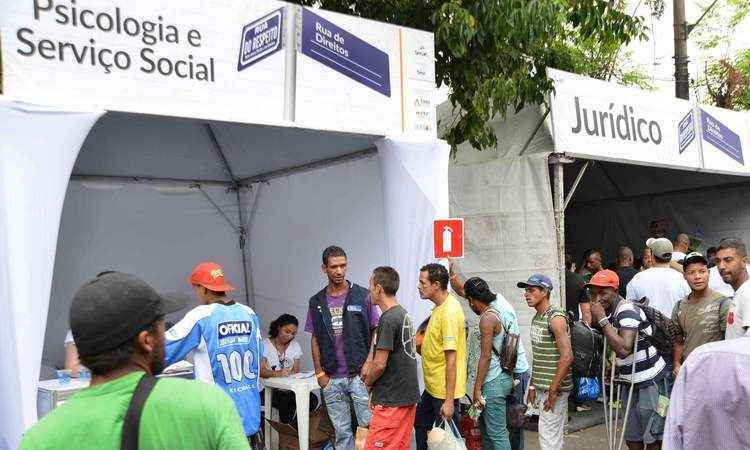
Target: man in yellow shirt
x,y
443,354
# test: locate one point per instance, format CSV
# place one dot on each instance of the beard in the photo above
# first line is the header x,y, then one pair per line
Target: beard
x,y
156,361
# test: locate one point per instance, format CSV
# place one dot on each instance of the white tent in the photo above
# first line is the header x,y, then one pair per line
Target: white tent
x,y
259,171
694,179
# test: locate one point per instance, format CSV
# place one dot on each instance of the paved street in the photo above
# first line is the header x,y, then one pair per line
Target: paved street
x,y
589,439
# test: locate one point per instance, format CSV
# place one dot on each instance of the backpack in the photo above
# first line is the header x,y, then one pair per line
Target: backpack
x,y
586,345
509,354
664,330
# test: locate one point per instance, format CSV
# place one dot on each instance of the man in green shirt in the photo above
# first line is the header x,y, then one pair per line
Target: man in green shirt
x,y
118,326
551,379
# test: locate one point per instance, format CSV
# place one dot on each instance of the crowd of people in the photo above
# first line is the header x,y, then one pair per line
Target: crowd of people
x,y
365,354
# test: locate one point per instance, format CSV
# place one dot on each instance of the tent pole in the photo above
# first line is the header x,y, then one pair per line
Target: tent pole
x,y
558,163
575,184
236,187
152,180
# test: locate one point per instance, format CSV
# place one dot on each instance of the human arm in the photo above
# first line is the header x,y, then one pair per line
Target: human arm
x,y
322,377
267,372
678,345
71,359
621,341
295,367
446,411
377,367
185,335
586,312
456,280
487,326
559,327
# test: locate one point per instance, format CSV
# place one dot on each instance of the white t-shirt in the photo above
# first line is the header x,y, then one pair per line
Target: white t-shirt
x,y
271,355
678,256
663,287
738,316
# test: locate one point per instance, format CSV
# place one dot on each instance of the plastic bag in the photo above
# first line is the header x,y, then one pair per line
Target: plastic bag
x,y
446,437
587,389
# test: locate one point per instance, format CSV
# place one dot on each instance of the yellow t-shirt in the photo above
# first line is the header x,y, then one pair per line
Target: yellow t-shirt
x,y
445,331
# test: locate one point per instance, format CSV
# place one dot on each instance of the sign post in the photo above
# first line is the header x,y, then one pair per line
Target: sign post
x,y
449,238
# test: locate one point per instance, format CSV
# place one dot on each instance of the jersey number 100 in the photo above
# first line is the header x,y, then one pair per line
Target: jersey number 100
x,y
235,366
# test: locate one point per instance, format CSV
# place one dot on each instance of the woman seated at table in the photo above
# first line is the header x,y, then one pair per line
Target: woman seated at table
x,y
281,355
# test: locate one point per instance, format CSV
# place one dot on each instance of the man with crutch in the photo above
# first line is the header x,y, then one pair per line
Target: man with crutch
x,y
641,383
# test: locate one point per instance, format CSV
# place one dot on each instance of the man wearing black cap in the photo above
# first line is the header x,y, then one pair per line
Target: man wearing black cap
x,y
117,322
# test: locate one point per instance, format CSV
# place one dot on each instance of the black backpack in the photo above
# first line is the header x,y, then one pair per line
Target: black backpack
x,y
664,331
586,345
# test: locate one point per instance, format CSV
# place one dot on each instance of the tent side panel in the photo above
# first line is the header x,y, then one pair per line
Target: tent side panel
x,y
37,153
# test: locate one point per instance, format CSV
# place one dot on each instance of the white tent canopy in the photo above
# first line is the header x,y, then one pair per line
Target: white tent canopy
x,y
236,127
694,179
127,209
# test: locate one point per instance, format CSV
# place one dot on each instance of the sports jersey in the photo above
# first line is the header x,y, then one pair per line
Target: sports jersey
x,y
227,347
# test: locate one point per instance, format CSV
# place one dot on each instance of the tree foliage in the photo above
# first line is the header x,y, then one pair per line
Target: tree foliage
x,y
726,78
493,54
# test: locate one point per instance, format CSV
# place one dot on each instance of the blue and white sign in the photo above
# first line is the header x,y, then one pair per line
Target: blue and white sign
x,y
686,131
721,137
345,53
261,39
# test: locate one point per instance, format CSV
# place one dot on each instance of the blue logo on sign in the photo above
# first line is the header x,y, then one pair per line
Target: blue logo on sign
x,y
260,39
721,137
686,131
345,53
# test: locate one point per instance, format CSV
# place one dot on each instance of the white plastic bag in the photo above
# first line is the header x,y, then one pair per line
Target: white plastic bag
x,y
446,437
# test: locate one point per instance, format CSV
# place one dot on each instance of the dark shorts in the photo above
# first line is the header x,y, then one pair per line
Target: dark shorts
x,y
644,423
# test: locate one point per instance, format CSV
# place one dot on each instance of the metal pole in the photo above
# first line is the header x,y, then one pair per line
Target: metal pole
x,y
681,74
559,203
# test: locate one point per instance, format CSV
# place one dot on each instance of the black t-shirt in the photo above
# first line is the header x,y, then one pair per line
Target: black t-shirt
x,y
625,274
398,385
575,292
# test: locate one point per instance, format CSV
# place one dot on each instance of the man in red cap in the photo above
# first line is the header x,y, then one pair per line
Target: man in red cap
x,y
225,340
625,325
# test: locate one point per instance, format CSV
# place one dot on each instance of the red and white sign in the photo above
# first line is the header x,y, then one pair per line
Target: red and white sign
x,y
449,238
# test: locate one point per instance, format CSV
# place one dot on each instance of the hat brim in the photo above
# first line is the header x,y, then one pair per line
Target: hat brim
x,y
524,285
225,287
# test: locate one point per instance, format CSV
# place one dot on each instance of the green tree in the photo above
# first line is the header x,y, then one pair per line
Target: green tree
x,y
725,81
493,54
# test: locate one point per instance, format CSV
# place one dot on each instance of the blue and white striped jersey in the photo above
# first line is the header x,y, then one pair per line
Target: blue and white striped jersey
x,y
225,339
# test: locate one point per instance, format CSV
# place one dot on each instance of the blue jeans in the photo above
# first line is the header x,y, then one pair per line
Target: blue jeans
x,y
337,394
519,390
493,421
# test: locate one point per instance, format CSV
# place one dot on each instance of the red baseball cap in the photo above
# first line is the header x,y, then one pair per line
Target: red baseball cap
x,y
211,276
605,278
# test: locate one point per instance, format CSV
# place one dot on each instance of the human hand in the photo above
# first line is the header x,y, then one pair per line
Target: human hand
x,y
676,369
323,381
549,404
597,311
531,397
365,371
478,400
283,373
446,411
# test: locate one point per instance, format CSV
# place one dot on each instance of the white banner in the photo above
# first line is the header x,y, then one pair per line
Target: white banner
x,y
156,57
220,60
599,120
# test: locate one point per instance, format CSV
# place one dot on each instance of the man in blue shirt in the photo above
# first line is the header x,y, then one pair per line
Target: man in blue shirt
x,y
225,340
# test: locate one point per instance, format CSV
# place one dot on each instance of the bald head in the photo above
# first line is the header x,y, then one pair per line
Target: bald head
x,y
682,243
624,256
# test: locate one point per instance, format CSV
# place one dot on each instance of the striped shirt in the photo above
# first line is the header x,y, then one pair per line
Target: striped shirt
x,y
649,366
545,353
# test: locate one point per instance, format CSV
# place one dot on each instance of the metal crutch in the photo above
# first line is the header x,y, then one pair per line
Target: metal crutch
x,y
630,394
604,393
613,430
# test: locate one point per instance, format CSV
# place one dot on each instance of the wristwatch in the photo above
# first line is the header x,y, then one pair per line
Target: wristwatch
x,y
603,322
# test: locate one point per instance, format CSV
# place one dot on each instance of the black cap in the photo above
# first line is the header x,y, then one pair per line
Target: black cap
x,y
110,310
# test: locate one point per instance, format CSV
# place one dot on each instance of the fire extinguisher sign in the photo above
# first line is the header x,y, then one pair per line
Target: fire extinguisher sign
x,y
449,238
